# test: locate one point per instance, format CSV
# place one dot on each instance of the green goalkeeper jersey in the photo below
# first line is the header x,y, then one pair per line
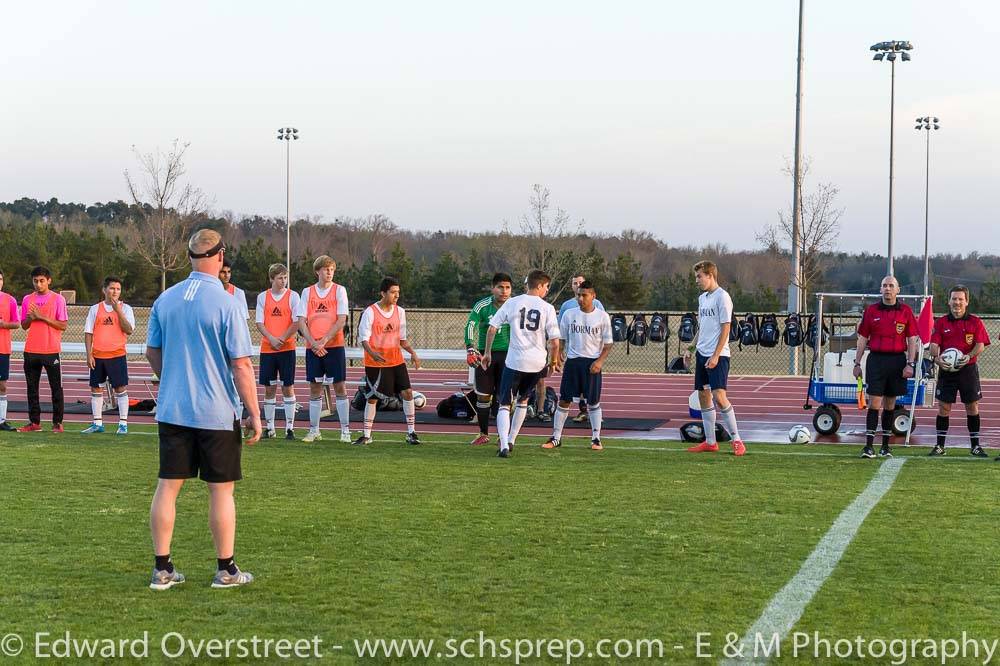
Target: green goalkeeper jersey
x,y
479,323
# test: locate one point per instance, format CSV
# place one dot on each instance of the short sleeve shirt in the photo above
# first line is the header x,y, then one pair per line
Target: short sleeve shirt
x,y
200,329
887,327
585,333
42,338
533,322
962,334
715,308
8,315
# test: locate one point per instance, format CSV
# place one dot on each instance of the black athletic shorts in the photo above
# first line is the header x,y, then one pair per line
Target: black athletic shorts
x,y
114,370
965,382
488,381
387,381
275,364
884,374
577,380
186,453
4,367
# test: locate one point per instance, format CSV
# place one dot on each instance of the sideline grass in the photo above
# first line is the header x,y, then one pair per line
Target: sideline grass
x,y
443,541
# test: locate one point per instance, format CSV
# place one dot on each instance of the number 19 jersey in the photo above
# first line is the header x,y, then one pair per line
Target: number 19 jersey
x,y
533,322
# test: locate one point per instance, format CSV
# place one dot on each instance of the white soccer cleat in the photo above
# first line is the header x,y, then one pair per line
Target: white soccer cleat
x,y
312,436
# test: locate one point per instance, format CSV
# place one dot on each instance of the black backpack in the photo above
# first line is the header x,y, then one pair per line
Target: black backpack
x,y
749,331
658,329
770,334
811,333
386,403
793,334
676,366
735,330
550,401
638,332
456,406
694,431
619,328
688,329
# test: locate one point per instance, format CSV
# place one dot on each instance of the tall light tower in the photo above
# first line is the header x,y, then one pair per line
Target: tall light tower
x,y
890,51
795,283
288,134
927,123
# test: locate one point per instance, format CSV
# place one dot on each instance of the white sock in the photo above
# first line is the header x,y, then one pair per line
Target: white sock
x,y
708,422
315,406
369,418
503,426
595,415
122,400
290,414
97,408
562,413
344,413
3,408
409,411
269,412
729,422
520,413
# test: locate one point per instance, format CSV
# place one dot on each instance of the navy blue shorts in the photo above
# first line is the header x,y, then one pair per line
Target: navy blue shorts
x,y
716,377
333,366
4,367
515,382
577,381
275,364
114,370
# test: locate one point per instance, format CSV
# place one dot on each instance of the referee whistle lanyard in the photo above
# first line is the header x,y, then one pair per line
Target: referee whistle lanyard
x,y
925,324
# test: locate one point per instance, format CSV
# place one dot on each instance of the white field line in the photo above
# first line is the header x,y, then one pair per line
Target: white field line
x,y
787,606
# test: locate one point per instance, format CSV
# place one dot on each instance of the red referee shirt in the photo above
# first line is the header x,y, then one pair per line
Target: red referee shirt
x,y
962,334
888,326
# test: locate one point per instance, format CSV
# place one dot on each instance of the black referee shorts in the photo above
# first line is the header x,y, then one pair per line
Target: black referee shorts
x,y
964,383
387,381
884,374
186,453
488,381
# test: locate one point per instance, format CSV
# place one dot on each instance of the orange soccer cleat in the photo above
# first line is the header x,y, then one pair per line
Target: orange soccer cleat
x,y
704,447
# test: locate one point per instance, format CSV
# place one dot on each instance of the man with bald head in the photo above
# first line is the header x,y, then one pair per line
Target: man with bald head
x,y
888,330
199,344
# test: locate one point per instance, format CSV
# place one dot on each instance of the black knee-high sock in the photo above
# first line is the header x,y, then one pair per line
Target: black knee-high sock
x,y
941,425
483,416
973,421
871,424
887,415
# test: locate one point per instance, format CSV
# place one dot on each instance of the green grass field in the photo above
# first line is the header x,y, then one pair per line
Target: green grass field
x,y
640,541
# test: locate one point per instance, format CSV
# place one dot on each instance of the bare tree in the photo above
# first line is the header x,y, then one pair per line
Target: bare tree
x,y
165,208
544,231
818,233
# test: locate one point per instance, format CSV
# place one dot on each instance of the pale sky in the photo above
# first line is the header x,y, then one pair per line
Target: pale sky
x,y
672,117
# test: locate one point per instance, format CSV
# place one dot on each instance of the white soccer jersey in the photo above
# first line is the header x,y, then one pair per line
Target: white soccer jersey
x,y
585,333
533,322
714,309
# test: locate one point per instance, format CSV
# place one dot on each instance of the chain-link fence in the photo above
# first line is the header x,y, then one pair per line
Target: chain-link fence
x,y
444,329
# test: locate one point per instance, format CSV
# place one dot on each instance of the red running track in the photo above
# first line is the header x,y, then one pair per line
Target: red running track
x,y
766,407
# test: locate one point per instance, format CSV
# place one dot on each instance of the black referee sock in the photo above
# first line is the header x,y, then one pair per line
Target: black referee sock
x,y
941,425
887,415
228,564
163,563
871,424
973,421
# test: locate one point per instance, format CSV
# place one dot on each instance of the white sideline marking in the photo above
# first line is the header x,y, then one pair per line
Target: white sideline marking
x,y
787,606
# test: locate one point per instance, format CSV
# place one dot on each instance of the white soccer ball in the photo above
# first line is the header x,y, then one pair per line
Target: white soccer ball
x,y
419,400
949,359
799,435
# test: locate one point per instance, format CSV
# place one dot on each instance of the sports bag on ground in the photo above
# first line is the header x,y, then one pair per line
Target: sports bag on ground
x,y
457,406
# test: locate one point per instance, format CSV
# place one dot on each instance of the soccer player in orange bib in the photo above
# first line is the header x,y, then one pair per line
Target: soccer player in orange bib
x,y
277,324
9,320
44,317
109,323
322,316
382,333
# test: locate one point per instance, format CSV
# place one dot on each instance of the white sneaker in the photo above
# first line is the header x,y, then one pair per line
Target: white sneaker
x,y
345,436
312,436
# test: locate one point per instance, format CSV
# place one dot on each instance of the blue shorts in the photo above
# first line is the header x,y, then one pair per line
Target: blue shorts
x,y
715,378
515,382
4,367
577,381
275,364
332,367
114,370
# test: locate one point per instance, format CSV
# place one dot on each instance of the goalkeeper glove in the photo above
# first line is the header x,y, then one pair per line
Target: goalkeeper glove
x,y
472,356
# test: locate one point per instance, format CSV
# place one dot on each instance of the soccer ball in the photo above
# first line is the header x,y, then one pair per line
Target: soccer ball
x,y
419,400
799,435
949,359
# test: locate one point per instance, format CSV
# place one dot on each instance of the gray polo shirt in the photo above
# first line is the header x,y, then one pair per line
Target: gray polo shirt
x,y
200,329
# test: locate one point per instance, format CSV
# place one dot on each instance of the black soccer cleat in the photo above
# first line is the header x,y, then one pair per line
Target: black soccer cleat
x,y
978,452
412,438
290,434
867,452
6,427
503,453
885,452
938,450
362,441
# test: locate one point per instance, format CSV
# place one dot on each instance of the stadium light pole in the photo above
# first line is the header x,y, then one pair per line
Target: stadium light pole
x,y
288,134
794,295
890,51
927,123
